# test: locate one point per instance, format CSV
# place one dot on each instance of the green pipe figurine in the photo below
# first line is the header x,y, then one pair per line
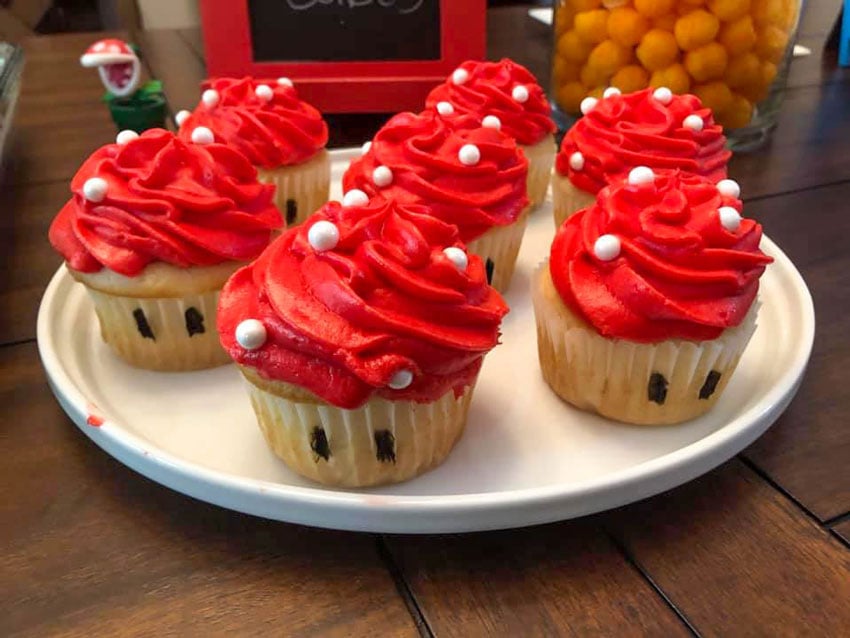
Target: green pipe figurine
x,y
136,109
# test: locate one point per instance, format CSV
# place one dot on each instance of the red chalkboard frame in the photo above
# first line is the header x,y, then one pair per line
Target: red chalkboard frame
x,y
346,87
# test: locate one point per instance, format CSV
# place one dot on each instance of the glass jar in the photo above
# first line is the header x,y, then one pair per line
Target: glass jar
x,y
732,54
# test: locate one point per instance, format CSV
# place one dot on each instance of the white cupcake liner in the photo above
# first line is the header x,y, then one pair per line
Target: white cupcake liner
x,y
567,199
307,185
501,246
541,157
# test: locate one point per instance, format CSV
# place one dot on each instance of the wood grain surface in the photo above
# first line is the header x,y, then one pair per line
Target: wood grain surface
x,y
738,558
566,579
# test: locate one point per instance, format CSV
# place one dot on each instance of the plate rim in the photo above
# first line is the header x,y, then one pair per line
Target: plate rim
x,y
361,510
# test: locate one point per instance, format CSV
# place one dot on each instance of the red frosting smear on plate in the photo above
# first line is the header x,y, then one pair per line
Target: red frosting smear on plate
x,y
343,321
636,129
165,201
679,272
277,130
422,153
504,89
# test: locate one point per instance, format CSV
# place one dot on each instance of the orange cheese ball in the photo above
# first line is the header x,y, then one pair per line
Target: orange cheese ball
x,y
591,76
768,11
569,96
654,8
696,29
768,73
789,14
572,47
564,70
657,50
715,95
674,77
728,10
609,56
584,5
626,26
770,43
666,22
743,70
591,26
707,62
631,78
597,92
757,91
739,36
564,16
738,114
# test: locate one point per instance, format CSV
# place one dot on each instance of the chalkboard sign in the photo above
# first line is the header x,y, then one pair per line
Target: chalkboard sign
x,y
351,30
345,55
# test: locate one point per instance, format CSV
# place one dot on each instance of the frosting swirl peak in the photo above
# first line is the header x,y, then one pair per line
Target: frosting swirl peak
x,y
263,119
157,198
360,296
504,89
426,159
646,128
653,261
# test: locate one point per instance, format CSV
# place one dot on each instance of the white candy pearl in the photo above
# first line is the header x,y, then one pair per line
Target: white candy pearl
x,y
323,235
491,121
577,161
460,76
693,122
520,93
366,146
469,155
355,197
181,117
401,380
125,137
382,176
641,175
663,95
729,188
210,98
729,217
284,82
611,91
445,108
202,135
607,247
251,334
94,189
457,257
264,92
588,104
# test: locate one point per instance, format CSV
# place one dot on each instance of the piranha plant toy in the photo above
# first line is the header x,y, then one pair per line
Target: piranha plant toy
x,y
119,68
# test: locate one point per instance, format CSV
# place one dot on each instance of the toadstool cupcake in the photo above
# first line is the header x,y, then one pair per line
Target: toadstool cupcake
x,y
468,175
505,95
361,334
283,136
651,128
648,299
154,228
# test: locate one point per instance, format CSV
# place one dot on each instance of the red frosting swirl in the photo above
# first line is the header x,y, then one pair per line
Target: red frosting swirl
x,y
386,298
679,273
279,131
636,129
422,153
489,90
183,204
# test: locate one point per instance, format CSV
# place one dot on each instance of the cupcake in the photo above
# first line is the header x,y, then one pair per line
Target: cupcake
x,y
651,128
282,136
154,228
361,334
505,95
468,175
648,299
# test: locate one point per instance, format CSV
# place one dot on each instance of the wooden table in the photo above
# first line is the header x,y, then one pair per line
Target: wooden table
x,y
757,547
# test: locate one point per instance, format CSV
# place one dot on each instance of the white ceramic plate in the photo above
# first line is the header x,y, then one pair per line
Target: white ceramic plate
x,y
526,457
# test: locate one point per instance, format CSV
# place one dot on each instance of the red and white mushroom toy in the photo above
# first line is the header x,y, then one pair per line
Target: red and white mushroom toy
x,y
117,64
